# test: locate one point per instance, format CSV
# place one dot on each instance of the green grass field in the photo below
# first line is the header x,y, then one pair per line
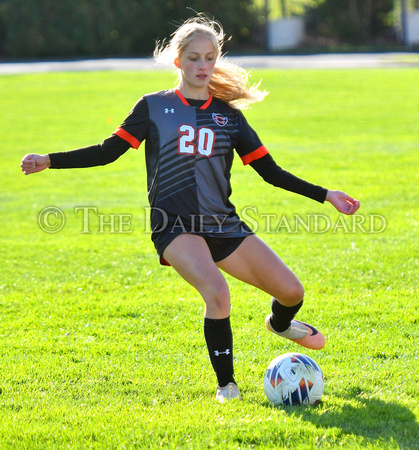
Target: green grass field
x,y
103,348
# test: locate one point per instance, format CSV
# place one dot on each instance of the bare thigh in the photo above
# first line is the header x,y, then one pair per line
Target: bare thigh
x,y
255,263
190,256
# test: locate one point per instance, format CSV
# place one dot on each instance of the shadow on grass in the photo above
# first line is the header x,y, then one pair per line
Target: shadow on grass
x,y
372,418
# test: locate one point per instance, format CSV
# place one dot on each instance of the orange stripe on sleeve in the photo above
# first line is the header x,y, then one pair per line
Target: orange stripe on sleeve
x,y
256,154
135,143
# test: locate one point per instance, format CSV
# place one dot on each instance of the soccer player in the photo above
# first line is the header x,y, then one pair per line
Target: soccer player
x,y
190,135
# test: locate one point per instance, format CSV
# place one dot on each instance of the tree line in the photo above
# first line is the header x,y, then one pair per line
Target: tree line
x,y
110,28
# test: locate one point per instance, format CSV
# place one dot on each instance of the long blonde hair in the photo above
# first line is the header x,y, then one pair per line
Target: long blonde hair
x,y
229,82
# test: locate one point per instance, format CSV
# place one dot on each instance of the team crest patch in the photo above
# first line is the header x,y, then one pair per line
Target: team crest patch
x,y
219,119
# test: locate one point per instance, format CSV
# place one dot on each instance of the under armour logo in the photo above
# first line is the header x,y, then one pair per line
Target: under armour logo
x,y
167,110
217,353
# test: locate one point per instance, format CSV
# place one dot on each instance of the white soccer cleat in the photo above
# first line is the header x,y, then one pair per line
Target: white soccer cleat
x,y
227,393
301,333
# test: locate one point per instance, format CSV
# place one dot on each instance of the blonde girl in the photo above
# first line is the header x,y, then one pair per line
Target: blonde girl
x,y
191,133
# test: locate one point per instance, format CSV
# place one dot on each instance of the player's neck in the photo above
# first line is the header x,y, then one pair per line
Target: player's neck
x,y
193,93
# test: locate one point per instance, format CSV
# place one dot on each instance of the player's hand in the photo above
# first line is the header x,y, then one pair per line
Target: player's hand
x,y
343,202
33,163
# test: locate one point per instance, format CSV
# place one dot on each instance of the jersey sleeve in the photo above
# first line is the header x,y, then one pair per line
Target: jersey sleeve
x,y
249,146
267,168
253,152
94,155
134,128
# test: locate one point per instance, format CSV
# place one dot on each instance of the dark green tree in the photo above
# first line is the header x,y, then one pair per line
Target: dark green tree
x,y
51,28
351,21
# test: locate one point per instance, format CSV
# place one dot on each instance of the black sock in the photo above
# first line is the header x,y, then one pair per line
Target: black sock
x,y
219,338
282,315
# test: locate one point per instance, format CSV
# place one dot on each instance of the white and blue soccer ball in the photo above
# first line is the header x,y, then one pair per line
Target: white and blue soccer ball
x,y
293,379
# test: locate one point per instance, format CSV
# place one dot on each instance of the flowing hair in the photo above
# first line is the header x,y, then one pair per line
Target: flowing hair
x,y
229,82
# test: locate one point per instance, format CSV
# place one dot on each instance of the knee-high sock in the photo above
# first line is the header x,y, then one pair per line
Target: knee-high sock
x,y
219,339
282,315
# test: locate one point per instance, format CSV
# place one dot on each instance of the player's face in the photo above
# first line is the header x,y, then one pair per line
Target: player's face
x,y
196,63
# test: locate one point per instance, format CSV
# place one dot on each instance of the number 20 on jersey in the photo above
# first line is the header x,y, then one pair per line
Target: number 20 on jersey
x,y
192,140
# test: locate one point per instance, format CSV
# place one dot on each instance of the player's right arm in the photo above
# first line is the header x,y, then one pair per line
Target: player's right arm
x,y
130,134
95,155
33,163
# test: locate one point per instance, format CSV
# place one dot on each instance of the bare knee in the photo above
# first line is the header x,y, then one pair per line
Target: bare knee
x,y
217,301
297,293
292,294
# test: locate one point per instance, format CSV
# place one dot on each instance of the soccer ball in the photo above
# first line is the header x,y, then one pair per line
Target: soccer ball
x,y
293,379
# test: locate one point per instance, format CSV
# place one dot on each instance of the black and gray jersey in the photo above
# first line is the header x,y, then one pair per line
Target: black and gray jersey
x,y
189,148
189,153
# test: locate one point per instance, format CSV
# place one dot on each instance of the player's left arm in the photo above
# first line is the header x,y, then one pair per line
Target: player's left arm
x,y
250,147
343,202
275,175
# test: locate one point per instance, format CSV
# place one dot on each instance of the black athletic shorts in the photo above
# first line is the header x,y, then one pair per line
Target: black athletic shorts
x,y
220,247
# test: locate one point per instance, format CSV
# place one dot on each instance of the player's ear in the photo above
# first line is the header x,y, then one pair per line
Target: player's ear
x,y
176,63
